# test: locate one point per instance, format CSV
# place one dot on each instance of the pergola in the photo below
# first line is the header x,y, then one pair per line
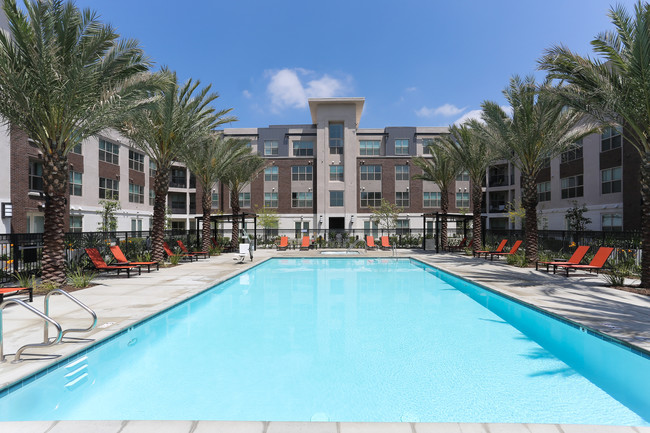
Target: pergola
x,y
437,218
241,218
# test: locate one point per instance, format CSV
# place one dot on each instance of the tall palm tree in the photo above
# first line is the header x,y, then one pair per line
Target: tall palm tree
x,y
208,158
617,90
441,169
64,76
179,114
473,154
236,176
539,129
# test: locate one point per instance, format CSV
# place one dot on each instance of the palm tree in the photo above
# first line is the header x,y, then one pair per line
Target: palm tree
x,y
237,175
616,90
442,169
176,116
540,129
64,76
208,158
472,152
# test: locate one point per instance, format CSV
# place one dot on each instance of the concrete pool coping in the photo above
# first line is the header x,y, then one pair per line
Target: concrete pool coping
x,y
121,302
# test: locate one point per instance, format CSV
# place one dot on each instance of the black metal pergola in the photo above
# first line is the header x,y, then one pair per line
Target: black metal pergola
x,y
437,218
242,217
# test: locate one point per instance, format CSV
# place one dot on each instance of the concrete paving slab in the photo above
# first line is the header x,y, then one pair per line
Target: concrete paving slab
x,y
302,427
375,427
158,427
230,427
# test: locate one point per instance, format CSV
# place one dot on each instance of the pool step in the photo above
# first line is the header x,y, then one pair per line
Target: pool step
x,y
77,373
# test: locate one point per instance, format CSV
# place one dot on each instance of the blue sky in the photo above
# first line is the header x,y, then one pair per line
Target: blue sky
x,y
417,63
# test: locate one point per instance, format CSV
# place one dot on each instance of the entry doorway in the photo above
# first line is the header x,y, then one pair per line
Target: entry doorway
x,y
337,223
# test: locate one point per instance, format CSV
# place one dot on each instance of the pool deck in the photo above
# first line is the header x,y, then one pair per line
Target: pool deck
x,y
121,302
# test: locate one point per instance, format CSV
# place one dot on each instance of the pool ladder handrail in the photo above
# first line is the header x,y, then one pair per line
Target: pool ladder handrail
x,y
45,343
76,301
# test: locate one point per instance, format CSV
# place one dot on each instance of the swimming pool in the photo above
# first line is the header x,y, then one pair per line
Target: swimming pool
x,y
344,339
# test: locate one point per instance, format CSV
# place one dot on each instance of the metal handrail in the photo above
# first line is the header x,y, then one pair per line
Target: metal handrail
x,y
45,343
76,301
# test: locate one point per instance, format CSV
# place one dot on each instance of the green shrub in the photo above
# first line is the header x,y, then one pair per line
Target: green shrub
x,y
25,279
80,278
518,259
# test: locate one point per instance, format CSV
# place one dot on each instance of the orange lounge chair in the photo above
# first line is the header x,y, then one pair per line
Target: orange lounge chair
x,y
596,263
575,259
498,250
512,251
458,247
370,243
121,259
11,291
284,243
100,264
385,244
305,243
170,253
204,254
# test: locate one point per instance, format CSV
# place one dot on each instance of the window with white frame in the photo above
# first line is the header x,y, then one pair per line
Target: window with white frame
x,y
271,174
152,168
76,223
152,197
610,180
109,189
426,146
336,198
371,172
136,225
612,222
369,147
572,186
370,199
215,200
245,199
136,161
336,138
75,183
402,146
611,139
336,173
301,172
303,148
431,199
35,175
402,172
76,149
301,199
544,191
402,227
136,193
270,199
270,148
402,199
462,199
109,152
463,176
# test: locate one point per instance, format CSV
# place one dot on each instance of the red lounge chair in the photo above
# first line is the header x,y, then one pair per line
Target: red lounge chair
x,y
385,244
100,264
170,253
204,254
370,243
458,247
596,263
575,259
512,251
305,243
284,243
121,259
11,291
498,250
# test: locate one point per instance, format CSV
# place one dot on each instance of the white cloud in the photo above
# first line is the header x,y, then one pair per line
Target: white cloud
x,y
411,89
445,110
247,94
476,114
290,88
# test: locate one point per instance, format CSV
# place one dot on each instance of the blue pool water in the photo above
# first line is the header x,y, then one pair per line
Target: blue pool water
x,y
347,340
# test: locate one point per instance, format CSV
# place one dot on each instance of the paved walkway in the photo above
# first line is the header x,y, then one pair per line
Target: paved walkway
x,y
121,302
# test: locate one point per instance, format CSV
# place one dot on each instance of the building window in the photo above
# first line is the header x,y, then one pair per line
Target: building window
x,y
152,168
610,139
612,222
426,146
75,183
301,229
301,199
136,161
610,180
574,152
463,176
462,199
369,147
301,172
35,176
402,199
431,199
370,228
544,191
270,148
401,172
303,148
401,147
336,172
271,174
178,177
245,199
76,223
370,199
336,138
402,227
109,152
76,149
136,193
178,202
152,197
371,172
136,225
215,200
270,199
109,189
336,198
572,186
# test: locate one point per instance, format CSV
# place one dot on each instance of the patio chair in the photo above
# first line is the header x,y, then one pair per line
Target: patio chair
x,y
305,243
459,247
575,259
596,263
512,251
170,253
370,243
101,266
385,244
284,243
204,254
244,250
12,291
486,252
122,260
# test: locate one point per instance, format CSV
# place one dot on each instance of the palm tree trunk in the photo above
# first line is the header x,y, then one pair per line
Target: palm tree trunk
x,y
444,208
529,203
55,183
477,222
234,205
645,220
206,202
161,186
